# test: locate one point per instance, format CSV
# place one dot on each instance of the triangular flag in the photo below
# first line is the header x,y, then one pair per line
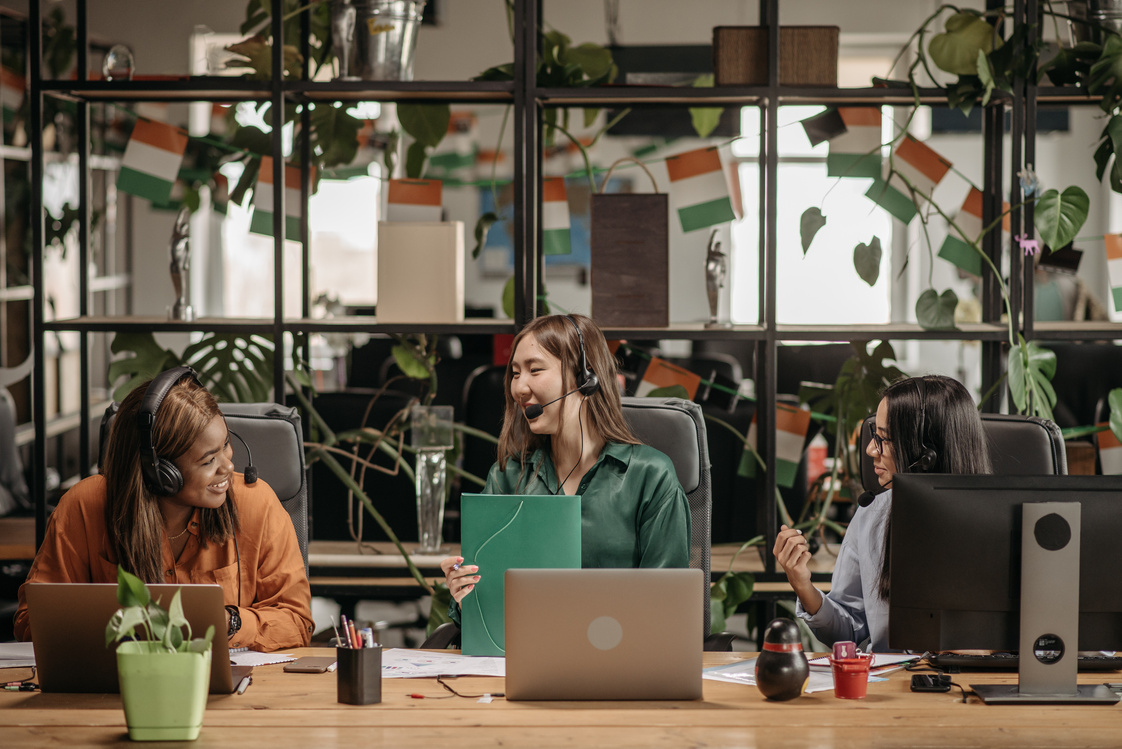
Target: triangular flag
x,y
825,126
791,424
218,118
919,163
1114,268
414,200
1110,451
892,200
555,217
856,152
956,250
262,220
736,195
698,189
151,161
11,93
663,374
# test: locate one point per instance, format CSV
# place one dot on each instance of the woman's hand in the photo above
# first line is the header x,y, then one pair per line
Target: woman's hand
x,y
793,554
459,577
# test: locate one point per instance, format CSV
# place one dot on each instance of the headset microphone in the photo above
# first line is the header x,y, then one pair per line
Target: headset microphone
x,y
250,470
866,499
534,410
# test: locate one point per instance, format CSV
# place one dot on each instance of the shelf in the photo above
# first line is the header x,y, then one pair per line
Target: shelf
x,y
686,331
892,332
1076,331
17,294
127,324
196,88
482,92
734,95
471,326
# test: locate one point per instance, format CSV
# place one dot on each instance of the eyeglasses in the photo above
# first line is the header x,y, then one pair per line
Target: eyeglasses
x,y
879,442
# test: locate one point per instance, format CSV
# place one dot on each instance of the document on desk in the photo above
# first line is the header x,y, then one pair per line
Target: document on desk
x,y
883,663
16,655
744,672
398,663
253,658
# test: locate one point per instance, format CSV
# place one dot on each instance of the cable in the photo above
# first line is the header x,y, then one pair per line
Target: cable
x,y
580,457
441,682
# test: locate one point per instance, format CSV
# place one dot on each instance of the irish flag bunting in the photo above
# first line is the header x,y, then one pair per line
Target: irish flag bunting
x,y
262,221
920,165
11,93
415,200
663,374
555,217
698,189
891,199
791,424
151,161
1114,267
957,251
856,152
1110,451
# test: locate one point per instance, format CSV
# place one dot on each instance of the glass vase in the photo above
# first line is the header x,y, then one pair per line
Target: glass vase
x,y
431,437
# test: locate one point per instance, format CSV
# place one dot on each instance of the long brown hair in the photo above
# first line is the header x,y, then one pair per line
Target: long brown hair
x,y
603,409
133,519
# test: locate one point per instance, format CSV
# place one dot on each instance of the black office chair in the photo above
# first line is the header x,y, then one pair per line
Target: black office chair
x,y
1019,446
274,436
14,494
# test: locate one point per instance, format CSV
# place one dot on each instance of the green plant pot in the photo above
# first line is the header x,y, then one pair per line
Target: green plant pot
x,y
164,694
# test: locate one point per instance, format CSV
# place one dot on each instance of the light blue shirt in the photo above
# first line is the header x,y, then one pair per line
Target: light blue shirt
x,y
853,610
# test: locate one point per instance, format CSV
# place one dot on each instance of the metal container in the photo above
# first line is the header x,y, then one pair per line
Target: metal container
x,y
375,39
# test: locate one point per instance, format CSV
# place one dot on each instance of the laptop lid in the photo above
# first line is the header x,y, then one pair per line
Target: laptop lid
x,y
68,634
604,634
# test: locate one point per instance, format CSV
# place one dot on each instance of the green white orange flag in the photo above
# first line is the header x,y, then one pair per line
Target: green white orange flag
x,y
555,217
698,190
791,424
663,374
151,161
1110,451
856,152
415,200
1114,267
955,249
262,221
11,93
920,165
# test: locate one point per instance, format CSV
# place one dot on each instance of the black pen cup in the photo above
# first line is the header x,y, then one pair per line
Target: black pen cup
x,y
359,675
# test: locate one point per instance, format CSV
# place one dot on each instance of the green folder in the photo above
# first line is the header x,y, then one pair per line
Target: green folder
x,y
501,532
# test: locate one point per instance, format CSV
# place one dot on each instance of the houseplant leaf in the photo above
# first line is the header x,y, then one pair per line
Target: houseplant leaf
x,y
956,50
407,360
811,221
1115,401
233,366
866,259
1060,216
935,311
1105,76
482,226
1031,368
148,359
415,160
334,135
670,391
425,123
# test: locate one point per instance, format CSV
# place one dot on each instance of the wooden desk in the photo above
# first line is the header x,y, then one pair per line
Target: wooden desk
x,y
281,710
17,538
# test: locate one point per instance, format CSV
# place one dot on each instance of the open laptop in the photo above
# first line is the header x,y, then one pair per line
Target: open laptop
x,y
68,634
603,634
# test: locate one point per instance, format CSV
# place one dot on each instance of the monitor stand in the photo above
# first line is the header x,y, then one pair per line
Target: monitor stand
x,y
1049,613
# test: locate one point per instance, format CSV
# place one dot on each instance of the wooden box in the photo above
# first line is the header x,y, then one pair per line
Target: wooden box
x,y
630,260
420,272
808,55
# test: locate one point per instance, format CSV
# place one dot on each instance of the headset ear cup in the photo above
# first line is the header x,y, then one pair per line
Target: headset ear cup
x,y
927,459
169,478
590,385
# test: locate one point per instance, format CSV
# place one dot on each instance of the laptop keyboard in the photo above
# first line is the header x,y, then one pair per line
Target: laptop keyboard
x,y
1011,662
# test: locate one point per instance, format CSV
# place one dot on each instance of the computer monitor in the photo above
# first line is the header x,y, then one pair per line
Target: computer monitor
x,y
1026,563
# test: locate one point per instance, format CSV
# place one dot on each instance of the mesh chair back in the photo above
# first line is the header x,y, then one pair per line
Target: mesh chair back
x,y
676,427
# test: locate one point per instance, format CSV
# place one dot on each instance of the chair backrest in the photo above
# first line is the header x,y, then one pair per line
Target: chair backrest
x,y
1019,446
273,434
14,493
676,427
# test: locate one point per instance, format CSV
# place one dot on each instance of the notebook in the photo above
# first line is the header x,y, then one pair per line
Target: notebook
x,y
598,634
68,633
501,531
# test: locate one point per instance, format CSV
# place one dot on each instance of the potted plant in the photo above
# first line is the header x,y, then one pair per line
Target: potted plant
x,y
164,673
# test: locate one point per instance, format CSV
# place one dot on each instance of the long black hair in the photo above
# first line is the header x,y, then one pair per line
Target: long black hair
x,y
934,413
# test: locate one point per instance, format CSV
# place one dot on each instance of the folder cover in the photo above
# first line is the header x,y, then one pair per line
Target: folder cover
x,y
500,532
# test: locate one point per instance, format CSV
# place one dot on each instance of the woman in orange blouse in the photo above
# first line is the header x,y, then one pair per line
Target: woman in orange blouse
x,y
169,508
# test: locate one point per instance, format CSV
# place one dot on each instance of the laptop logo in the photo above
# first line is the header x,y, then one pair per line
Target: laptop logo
x,y
605,633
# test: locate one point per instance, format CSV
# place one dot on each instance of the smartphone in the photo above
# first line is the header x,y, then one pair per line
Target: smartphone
x,y
931,683
310,664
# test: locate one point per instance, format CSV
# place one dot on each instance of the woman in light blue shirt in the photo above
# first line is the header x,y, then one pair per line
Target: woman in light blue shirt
x,y
927,424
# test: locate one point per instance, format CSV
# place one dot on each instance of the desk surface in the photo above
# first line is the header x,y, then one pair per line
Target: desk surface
x,y
282,709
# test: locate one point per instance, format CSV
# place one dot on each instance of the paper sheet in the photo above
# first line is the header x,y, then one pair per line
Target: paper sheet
x,y
398,663
252,658
16,655
744,672
882,662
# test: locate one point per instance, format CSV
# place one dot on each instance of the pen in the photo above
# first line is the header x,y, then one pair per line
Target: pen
x,y
355,642
244,684
346,640
20,687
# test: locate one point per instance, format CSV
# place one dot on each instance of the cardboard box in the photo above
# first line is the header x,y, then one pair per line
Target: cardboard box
x,y
420,272
808,55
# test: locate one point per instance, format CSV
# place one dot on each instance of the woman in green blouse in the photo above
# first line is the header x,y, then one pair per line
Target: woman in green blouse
x,y
564,432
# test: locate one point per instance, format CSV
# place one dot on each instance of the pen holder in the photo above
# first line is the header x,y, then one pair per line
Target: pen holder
x,y
359,675
851,676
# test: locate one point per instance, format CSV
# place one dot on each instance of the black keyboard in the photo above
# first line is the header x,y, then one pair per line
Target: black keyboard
x,y
1011,662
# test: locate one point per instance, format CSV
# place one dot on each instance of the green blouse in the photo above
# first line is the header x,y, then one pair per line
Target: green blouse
x,y
633,510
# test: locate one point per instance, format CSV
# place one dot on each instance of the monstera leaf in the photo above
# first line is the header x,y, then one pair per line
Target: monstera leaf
x,y
148,359
1060,215
1031,368
234,367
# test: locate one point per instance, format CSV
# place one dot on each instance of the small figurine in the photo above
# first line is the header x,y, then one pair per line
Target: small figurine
x,y
180,250
716,268
781,670
343,15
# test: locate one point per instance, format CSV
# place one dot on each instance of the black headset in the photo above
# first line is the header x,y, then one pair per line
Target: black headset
x,y
161,475
587,382
927,456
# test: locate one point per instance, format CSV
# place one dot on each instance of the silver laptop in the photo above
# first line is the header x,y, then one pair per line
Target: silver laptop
x,y
68,634
604,634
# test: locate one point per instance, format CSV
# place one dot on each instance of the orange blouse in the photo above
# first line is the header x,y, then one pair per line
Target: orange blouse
x,y
276,600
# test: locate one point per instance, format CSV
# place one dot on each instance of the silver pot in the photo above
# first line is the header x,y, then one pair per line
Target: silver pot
x,y
374,40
